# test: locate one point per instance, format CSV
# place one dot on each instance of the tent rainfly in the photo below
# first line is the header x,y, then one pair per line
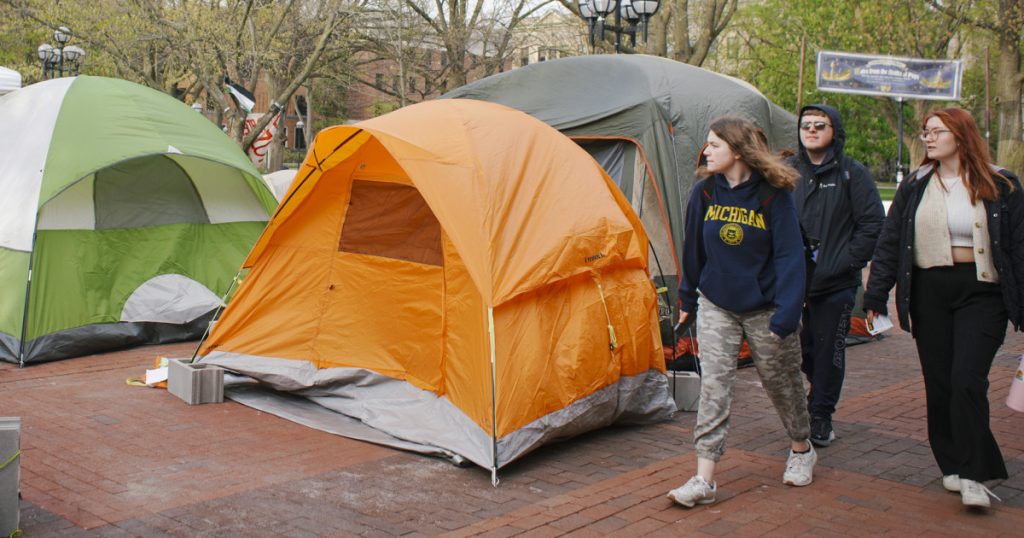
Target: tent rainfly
x,y
458,276
124,218
646,129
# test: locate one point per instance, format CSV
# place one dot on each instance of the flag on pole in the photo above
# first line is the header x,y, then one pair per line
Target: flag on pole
x,y
243,98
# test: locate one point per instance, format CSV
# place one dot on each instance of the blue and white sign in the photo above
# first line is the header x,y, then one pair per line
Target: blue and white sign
x,y
913,78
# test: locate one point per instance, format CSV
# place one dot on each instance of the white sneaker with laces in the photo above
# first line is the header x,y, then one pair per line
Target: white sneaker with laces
x,y
975,494
951,482
695,491
800,467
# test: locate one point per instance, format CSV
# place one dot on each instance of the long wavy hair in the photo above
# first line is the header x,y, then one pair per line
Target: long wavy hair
x,y
750,143
975,159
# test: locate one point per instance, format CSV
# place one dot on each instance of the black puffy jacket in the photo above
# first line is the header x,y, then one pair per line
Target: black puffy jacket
x,y
839,206
893,261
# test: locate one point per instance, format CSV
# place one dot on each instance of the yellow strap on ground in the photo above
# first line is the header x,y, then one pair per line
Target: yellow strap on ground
x,y
9,460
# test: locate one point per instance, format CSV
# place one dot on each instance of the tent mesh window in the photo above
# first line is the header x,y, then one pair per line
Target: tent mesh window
x,y
391,221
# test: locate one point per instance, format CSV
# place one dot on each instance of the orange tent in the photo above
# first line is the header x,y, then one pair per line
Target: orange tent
x,y
457,275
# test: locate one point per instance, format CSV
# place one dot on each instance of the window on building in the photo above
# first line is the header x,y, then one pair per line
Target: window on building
x,y
412,84
378,80
394,83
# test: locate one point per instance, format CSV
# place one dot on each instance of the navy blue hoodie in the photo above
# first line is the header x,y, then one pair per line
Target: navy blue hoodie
x,y
739,261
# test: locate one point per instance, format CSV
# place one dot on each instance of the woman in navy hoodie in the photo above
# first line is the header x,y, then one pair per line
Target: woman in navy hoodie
x,y
744,270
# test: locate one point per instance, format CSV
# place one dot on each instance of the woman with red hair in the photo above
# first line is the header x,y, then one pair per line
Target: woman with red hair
x,y
953,245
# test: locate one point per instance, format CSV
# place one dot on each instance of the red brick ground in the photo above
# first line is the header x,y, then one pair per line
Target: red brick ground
x,y
101,458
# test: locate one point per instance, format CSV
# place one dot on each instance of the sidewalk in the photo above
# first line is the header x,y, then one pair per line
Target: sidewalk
x,y
101,458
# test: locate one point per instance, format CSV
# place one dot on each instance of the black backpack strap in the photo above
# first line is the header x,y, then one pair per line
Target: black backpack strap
x,y
765,195
708,188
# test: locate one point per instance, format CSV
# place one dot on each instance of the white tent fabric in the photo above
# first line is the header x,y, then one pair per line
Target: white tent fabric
x,y
169,298
20,178
10,80
279,182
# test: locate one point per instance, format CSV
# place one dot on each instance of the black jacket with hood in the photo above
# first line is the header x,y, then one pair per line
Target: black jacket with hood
x,y
840,208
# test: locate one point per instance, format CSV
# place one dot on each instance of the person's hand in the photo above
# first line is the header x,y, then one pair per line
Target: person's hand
x,y
870,318
683,316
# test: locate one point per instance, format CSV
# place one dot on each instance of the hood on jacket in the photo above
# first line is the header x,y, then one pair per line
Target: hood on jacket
x,y
835,151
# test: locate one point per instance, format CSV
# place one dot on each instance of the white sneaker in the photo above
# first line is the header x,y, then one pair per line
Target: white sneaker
x,y
695,491
975,493
951,482
800,468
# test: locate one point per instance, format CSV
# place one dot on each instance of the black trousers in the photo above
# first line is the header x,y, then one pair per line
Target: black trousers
x,y
823,342
958,325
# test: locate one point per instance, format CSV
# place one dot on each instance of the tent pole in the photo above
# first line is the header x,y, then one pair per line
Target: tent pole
x,y
216,313
24,311
494,400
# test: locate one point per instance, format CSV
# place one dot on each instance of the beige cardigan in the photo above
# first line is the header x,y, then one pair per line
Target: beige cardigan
x,y
932,246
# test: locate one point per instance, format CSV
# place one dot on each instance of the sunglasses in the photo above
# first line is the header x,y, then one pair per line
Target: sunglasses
x,y
818,125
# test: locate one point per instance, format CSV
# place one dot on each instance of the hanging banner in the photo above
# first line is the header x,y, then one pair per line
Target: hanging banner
x,y
261,146
912,78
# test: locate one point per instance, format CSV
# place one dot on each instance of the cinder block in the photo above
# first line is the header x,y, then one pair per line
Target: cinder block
x,y
195,383
10,445
685,387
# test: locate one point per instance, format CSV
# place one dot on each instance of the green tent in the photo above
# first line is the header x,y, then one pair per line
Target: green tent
x,y
124,217
644,118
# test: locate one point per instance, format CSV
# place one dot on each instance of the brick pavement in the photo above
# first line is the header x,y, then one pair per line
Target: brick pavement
x,y
101,458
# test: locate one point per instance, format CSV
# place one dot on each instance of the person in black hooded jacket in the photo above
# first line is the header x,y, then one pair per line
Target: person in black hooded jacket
x,y
841,212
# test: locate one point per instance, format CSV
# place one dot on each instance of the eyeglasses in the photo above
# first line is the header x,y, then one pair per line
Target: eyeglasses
x,y
934,133
818,125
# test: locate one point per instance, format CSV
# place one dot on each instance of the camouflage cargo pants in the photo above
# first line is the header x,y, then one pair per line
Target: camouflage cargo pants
x,y
720,335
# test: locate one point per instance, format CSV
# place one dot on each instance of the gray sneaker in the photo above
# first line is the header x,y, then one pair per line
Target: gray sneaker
x,y
975,494
951,482
800,468
822,433
695,491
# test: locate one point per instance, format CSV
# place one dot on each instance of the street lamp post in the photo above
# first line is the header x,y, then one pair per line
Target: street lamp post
x,y
637,14
60,59
300,135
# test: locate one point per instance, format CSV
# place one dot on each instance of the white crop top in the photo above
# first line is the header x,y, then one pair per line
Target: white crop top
x,y
959,213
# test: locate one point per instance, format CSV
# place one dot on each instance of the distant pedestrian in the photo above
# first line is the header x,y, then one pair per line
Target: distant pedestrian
x,y
953,245
842,214
743,276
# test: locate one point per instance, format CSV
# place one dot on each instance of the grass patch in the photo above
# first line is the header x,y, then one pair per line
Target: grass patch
x,y
886,192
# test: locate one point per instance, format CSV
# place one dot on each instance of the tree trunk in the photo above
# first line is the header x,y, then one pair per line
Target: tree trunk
x,y
681,31
1010,150
657,34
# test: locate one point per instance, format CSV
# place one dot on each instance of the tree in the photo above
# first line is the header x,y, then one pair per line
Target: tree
x,y
1003,21
188,48
247,40
470,38
683,30
773,31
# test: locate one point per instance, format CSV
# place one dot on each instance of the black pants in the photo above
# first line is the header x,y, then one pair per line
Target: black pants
x,y
958,324
823,342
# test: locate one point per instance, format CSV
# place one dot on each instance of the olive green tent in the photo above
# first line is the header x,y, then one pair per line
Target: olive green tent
x,y
124,216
